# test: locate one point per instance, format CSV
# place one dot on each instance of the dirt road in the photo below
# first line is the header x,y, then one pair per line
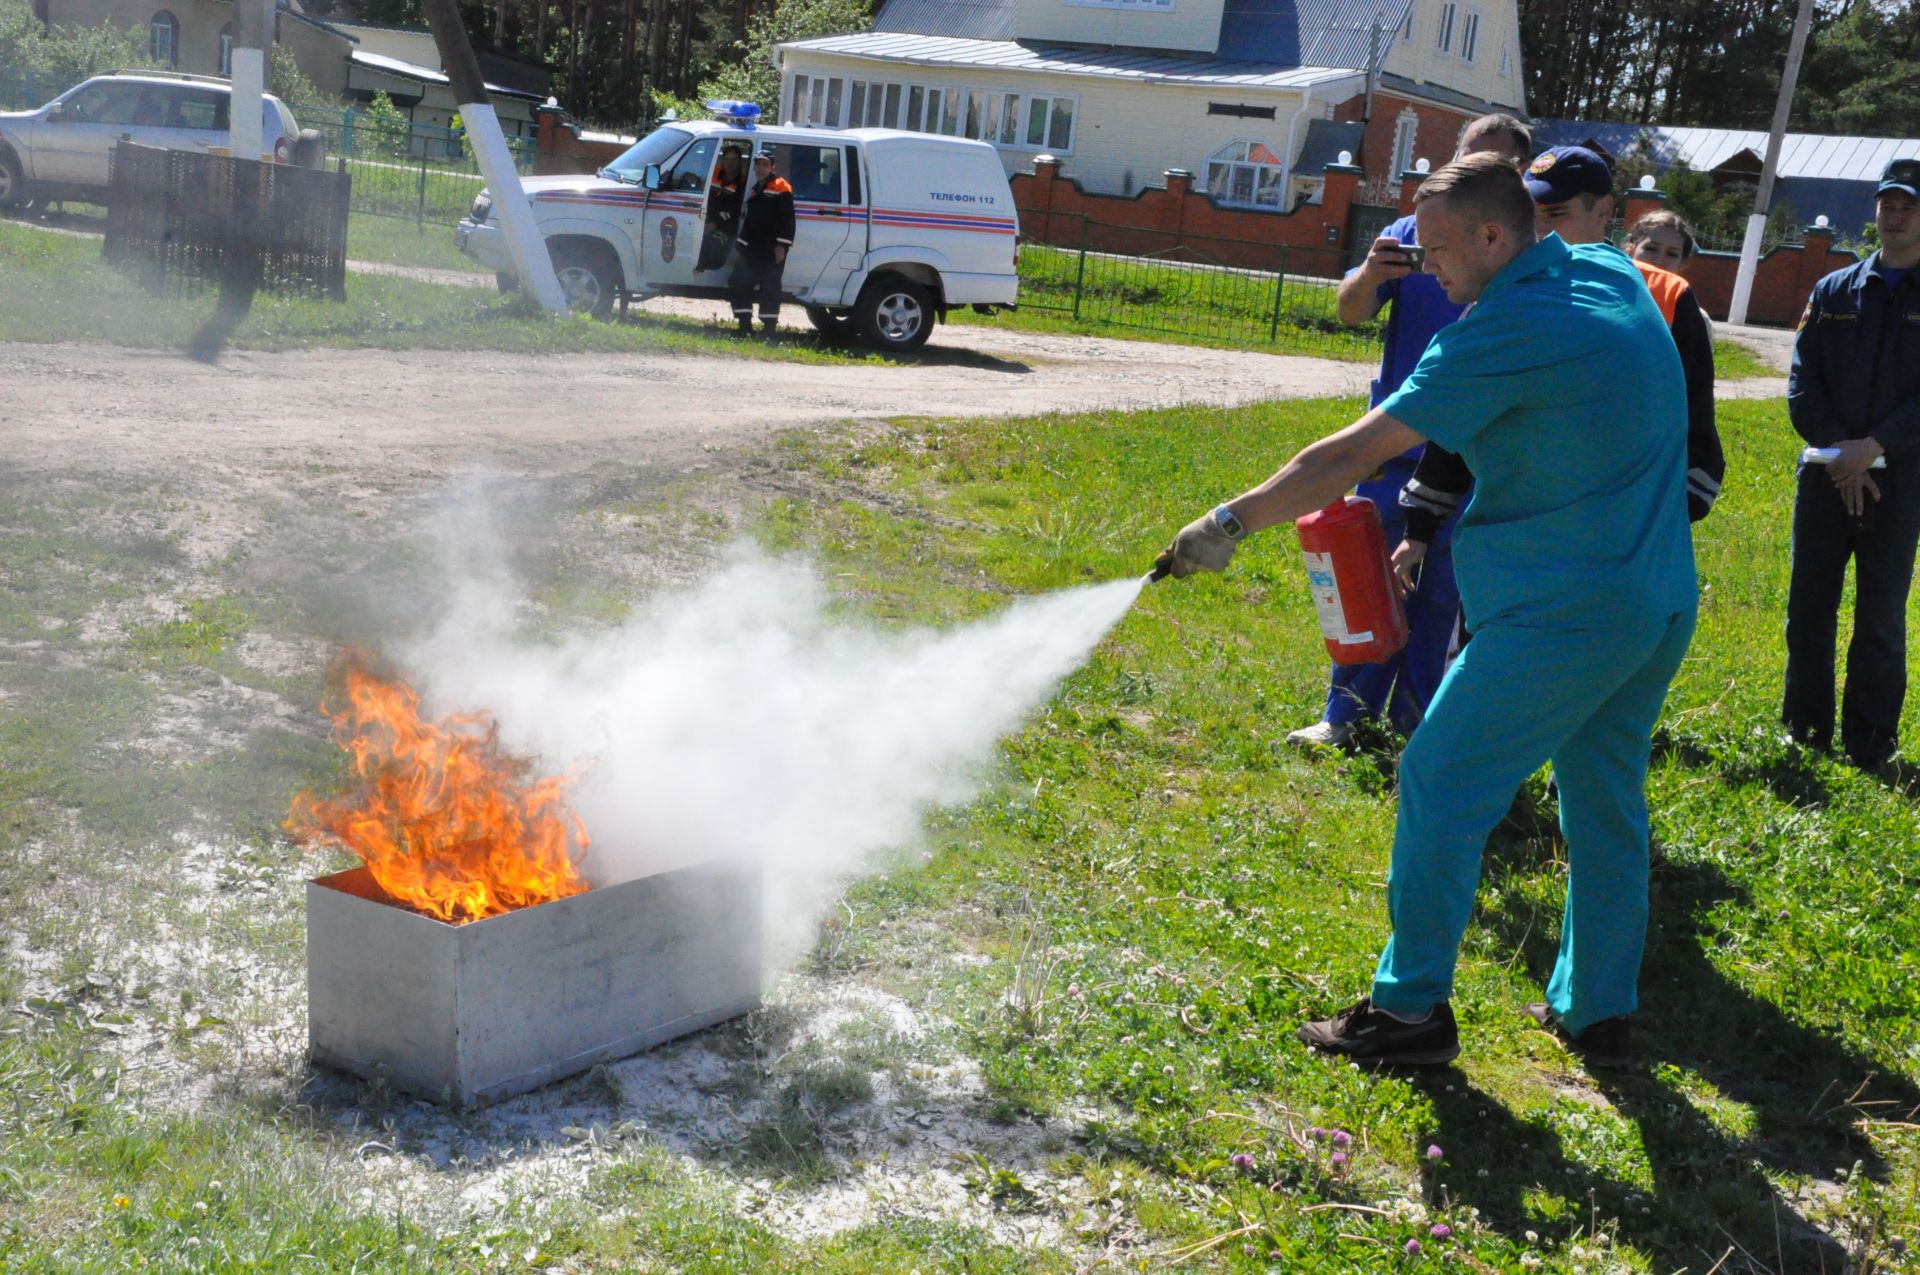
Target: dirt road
x,y
128,410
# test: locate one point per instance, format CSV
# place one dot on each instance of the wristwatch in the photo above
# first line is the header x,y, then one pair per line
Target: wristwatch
x,y
1231,525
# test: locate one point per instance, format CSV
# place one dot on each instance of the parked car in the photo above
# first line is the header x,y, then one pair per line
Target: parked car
x,y
893,229
62,150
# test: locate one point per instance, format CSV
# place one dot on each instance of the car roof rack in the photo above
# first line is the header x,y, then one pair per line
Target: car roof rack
x,y
161,73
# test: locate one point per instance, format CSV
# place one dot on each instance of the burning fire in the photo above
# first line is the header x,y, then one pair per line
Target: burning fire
x,y
447,822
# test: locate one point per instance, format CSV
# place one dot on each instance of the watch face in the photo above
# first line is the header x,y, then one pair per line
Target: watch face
x,y
1228,523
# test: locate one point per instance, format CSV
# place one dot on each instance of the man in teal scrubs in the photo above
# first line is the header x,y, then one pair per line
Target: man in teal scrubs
x,y
1562,390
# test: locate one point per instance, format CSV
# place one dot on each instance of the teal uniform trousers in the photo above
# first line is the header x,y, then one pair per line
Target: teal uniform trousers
x,y
1563,392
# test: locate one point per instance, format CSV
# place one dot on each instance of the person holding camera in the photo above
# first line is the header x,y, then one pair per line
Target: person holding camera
x,y
1401,688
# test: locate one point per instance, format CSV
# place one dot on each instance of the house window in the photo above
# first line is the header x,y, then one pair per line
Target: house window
x,y
1469,35
1506,62
1158,6
1021,121
226,49
1246,173
1403,133
1406,28
1444,40
163,38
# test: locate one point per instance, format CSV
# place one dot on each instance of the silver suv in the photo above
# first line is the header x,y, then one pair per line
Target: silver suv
x,y
62,150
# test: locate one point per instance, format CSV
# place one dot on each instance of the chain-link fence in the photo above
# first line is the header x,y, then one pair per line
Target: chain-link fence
x,y
1233,291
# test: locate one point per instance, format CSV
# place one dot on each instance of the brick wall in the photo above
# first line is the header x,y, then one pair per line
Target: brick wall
x,y
561,149
1782,282
1175,221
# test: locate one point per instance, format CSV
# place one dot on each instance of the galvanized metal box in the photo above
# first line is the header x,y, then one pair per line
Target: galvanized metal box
x,y
474,1013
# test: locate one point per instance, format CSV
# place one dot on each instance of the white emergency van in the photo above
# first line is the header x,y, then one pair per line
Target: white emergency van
x,y
892,229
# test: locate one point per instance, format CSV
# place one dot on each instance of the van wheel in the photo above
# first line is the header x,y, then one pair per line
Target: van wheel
x,y
894,314
13,183
834,323
309,150
589,276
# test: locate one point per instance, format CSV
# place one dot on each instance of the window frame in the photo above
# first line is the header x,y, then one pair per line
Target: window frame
x,y
1406,131
163,20
1470,36
1443,38
1506,61
1000,115
1131,6
1411,23
1262,177
226,50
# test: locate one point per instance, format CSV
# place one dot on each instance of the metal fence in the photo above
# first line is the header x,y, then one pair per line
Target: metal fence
x,y
1232,291
424,173
180,217
23,90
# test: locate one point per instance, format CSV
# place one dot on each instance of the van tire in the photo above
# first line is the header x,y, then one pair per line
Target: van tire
x,y
13,182
309,150
895,314
836,323
589,275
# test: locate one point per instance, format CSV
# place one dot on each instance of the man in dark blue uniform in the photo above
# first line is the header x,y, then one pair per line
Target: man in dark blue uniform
x,y
1400,689
766,232
1855,389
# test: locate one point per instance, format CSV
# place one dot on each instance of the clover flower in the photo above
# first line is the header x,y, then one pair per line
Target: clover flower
x,y
1413,1248
1434,1152
1242,1161
1440,1230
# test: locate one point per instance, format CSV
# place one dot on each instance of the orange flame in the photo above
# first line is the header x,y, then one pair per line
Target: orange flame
x,y
447,822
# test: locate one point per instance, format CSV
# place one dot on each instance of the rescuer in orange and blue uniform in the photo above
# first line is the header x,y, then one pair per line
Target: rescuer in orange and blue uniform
x,y
766,232
1575,566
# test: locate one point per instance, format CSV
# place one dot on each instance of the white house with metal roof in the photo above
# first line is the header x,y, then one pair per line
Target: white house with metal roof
x,y
1254,97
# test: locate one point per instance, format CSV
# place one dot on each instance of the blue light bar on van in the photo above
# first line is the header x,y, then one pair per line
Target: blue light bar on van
x,y
727,108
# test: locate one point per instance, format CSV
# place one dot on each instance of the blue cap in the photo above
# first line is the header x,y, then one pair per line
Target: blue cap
x,y
1562,172
1900,174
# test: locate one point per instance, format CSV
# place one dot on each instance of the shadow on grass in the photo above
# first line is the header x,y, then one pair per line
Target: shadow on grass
x,y
1806,1090
1792,773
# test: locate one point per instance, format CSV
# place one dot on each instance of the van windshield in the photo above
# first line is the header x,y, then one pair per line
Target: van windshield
x,y
656,147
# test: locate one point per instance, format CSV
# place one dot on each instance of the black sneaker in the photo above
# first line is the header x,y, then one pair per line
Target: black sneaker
x,y
1607,1043
1378,1039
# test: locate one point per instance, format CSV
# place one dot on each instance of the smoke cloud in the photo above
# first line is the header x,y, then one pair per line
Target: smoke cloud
x,y
739,718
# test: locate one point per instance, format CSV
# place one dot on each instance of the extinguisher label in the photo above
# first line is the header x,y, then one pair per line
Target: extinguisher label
x,y
1326,601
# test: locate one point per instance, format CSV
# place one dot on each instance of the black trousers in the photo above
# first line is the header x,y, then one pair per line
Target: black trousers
x,y
1881,544
756,278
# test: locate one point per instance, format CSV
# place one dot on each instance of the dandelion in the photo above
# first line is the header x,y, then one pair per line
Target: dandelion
x,y
1242,1161
121,1202
1412,1248
1342,1138
1434,1152
200,1206
1440,1230
1167,1070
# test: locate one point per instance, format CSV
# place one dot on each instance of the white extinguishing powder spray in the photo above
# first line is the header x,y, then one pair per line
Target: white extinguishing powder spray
x,y
742,718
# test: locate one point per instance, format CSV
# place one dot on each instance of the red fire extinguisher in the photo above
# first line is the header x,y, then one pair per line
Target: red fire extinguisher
x,y
1361,616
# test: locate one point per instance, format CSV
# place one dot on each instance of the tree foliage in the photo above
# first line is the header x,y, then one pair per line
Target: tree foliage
x,y
66,55
748,71
1717,63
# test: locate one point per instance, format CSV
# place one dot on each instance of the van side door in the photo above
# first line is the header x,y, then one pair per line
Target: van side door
x,y
823,218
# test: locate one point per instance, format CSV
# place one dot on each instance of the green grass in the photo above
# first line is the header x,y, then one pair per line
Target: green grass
x,y
1184,303
56,288
1211,890
398,241
1733,361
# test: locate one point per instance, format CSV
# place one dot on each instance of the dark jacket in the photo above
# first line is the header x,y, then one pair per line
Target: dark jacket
x,y
1856,362
768,220
1441,480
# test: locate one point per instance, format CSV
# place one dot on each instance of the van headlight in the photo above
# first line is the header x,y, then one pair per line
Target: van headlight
x,y
482,205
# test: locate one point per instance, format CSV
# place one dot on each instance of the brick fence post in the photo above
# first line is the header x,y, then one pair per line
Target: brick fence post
x,y
1638,203
1179,186
1340,184
1046,171
1409,183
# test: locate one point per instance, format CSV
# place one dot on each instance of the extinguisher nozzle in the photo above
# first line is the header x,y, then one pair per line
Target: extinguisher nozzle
x,y
1160,571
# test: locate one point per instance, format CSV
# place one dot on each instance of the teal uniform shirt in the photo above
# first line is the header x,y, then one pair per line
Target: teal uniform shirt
x,y
1563,391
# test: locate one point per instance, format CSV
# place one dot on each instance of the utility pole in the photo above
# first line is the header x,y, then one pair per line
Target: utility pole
x,y
510,204
1757,223
246,110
